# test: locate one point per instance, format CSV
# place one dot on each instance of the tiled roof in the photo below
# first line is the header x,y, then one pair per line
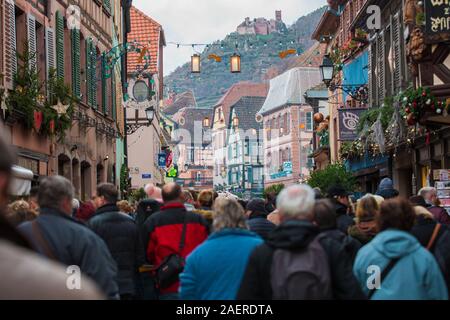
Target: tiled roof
x,y
239,90
145,31
246,109
182,100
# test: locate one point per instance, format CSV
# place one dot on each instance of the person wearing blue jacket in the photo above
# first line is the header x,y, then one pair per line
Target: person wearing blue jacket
x,y
214,270
414,276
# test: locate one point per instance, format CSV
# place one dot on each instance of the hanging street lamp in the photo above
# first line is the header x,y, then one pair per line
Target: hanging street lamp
x,y
235,62
327,70
195,63
150,114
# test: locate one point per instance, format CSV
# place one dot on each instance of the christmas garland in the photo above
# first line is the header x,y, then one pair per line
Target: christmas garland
x,y
417,102
38,110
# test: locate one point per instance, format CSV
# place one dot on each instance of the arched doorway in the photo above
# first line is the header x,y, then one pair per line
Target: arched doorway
x,y
86,181
64,166
100,173
76,177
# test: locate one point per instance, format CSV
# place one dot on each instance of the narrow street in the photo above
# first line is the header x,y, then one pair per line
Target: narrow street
x,y
224,151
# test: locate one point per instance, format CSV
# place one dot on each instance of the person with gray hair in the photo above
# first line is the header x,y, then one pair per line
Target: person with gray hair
x,y
214,269
297,262
296,202
57,236
429,194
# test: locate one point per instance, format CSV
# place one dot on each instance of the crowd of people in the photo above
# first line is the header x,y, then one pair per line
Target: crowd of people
x,y
300,244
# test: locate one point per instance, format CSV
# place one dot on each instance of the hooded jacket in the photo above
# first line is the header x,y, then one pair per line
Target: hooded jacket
x,y
416,276
214,269
386,189
122,237
296,235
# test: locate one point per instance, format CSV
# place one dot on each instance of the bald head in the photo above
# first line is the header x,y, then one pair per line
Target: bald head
x,y
171,192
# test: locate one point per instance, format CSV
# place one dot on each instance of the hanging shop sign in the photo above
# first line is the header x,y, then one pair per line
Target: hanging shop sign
x,y
141,92
162,160
169,159
348,123
437,16
173,172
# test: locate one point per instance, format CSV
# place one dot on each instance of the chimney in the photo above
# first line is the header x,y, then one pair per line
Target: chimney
x,y
278,15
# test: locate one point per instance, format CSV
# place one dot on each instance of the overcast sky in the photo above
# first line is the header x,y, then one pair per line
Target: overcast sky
x,y
204,21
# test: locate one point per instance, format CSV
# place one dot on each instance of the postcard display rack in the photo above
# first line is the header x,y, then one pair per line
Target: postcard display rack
x,y
442,184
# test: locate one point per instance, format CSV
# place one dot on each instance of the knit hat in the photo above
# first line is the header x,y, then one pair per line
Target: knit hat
x,y
257,206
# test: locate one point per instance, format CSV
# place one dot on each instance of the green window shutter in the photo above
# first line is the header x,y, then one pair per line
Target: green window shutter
x,y
76,68
113,95
104,86
93,75
88,71
107,5
59,45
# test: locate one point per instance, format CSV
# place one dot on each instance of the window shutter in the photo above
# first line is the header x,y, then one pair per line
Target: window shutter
x,y
104,94
90,73
10,44
76,83
31,32
59,45
93,76
381,68
309,121
113,95
397,43
370,52
50,50
107,5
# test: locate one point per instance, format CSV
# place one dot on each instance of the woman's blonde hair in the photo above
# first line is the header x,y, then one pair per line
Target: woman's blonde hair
x,y
20,211
228,213
367,208
124,206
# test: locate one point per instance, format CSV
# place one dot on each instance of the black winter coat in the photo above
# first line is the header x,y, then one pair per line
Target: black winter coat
x,y
72,243
423,231
344,221
295,235
122,237
145,209
260,225
350,245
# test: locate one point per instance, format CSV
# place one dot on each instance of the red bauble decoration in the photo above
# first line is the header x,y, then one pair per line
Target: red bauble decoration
x,y
408,110
424,94
52,126
411,120
38,118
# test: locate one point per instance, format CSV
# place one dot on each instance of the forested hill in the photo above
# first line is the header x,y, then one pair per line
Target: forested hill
x,y
258,54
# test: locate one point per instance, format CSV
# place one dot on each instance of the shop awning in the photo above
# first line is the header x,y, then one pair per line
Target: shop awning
x,y
21,181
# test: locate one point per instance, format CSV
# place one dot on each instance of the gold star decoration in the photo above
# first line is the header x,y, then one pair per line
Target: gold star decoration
x,y
60,108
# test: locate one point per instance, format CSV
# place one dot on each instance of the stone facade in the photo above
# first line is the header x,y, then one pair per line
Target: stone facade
x,y
87,153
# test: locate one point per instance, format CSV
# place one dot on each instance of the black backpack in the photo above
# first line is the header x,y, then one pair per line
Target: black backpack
x,y
301,275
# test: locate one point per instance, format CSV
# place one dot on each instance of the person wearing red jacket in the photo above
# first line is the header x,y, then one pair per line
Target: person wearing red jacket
x,y
162,233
